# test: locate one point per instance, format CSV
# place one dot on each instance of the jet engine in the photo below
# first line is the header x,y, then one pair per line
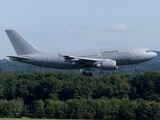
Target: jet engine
x,y
107,64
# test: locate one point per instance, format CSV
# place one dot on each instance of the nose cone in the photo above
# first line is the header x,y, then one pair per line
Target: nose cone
x,y
148,55
153,54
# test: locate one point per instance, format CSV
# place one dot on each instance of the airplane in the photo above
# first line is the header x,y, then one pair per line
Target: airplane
x,y
105,59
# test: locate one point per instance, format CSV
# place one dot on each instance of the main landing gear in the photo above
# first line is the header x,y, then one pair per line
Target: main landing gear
x,y
87,73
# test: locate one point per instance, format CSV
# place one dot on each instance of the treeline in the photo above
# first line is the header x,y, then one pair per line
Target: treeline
x,y
107,109
62,95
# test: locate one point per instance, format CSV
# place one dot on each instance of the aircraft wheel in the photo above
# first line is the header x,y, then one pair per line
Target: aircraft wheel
x,y
90,73
86,73
136,70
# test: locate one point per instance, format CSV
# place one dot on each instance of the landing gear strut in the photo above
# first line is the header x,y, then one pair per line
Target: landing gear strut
x,y
136,68
86,72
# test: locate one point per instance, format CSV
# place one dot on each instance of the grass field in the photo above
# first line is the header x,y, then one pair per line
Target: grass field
x,y
24,119
21,119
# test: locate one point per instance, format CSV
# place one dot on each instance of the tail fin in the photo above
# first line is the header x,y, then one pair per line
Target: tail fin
x,y
20,44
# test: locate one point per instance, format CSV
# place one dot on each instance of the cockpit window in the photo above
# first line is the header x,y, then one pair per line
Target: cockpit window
x,y
148,51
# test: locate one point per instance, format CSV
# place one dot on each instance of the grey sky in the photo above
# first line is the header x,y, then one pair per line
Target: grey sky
x,y
67,25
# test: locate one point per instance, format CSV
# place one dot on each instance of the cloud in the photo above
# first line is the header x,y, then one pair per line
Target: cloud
x,y
118,28
79,26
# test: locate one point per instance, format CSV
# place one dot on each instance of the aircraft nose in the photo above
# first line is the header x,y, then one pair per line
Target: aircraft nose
x,y
154,54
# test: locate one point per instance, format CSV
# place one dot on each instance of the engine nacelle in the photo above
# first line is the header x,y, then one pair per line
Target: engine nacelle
x,y
107,64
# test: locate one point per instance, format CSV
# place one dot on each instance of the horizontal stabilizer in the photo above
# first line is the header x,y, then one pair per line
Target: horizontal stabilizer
x,y
18,58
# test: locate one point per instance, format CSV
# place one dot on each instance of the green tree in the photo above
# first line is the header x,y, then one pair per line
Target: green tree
x,y
154,112
54,109
127,109
74,109
143,110
10,87
11,109
37,109
107,109
146,86
113,86
89,108
48,88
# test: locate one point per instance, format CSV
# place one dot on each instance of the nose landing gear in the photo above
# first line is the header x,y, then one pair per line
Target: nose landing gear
x,y
136,68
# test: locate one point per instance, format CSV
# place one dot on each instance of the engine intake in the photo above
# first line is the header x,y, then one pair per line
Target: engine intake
x,y
107,64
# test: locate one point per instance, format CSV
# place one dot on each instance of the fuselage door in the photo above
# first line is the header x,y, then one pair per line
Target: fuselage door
x,y
137,52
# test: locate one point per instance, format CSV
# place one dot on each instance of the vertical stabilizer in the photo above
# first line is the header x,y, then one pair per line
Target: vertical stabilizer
x,y
20,44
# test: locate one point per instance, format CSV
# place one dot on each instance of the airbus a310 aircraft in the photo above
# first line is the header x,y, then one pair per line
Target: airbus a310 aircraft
x,y
105,59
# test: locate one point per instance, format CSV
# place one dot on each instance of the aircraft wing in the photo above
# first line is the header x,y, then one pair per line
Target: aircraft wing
x,y
18,58
83,60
